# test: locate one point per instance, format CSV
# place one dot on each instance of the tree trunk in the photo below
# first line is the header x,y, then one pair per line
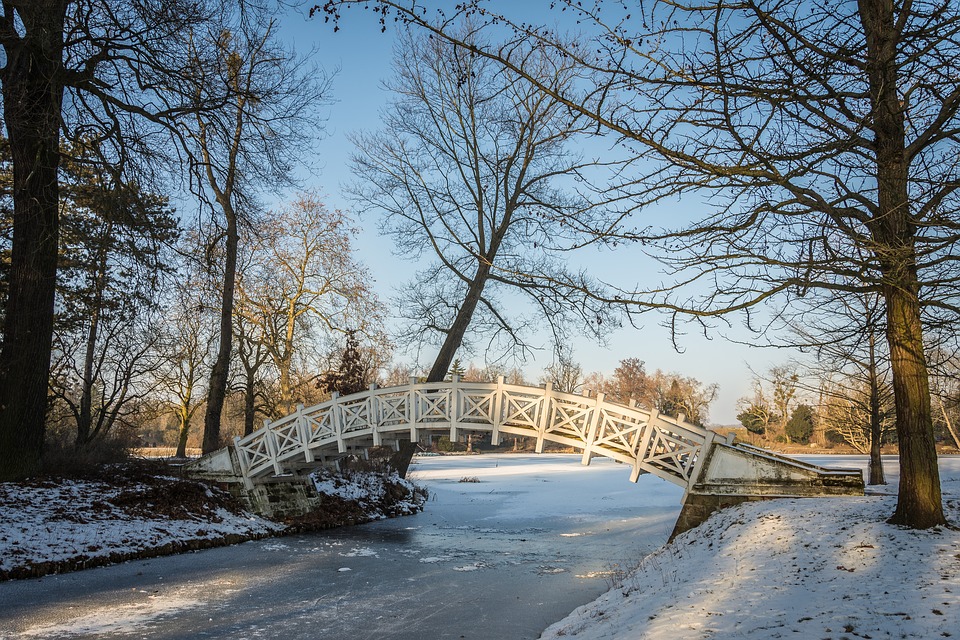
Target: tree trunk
x,y
221,367
184,431
919,503
249,404
460,324
876,433
32,102
85,416
85,419
286,393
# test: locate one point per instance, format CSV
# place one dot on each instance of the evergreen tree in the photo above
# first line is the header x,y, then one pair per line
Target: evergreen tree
x,y
350,377
800,424
112,241
456,369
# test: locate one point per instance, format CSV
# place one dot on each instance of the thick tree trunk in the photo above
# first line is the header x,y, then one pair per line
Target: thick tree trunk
x,y
184,431
460,324
32,102
221,367
919,504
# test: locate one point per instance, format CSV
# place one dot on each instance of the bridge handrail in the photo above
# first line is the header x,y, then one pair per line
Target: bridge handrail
x,y
591,423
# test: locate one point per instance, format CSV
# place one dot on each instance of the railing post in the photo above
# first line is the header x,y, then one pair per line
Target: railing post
x,y
644,444
271,439
544,419
243,462
373,415
496,411
592,432
453,408
336,421
701,458
303,433
413,410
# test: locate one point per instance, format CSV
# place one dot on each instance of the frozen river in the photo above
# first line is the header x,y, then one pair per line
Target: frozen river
x,y
507,545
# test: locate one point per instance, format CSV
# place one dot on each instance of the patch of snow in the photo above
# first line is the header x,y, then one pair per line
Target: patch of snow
x,y
370,490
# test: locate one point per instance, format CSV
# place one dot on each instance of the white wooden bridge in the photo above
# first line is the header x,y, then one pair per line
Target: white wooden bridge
x,y
696,458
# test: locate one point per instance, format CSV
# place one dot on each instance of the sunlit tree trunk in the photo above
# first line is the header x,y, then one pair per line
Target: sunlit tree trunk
x,y
919,502
454,335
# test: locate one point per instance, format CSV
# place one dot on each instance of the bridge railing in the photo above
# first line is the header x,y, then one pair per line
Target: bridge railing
x,y
648,441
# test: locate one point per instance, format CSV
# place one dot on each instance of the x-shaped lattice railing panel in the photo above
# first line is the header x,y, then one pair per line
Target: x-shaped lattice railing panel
x,y
477,407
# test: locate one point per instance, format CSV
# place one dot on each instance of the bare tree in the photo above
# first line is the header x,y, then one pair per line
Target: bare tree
x,y
946,391
848,409
468,171
303,281
115,377
188,337
251,355
756,411
564,373
850,365
826,135
251,144
766,412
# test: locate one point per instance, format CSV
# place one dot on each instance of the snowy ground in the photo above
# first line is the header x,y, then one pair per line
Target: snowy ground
x,y
823,569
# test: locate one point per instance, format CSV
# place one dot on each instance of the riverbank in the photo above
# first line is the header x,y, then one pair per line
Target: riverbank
x,y
132,511
829,568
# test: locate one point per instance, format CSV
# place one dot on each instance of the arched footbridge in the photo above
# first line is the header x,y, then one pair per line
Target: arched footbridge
x,y
701,461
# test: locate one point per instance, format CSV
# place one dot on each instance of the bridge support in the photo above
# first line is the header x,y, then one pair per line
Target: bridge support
x,y
732,475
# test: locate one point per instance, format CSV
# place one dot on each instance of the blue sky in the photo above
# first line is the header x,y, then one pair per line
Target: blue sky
x,y
363,55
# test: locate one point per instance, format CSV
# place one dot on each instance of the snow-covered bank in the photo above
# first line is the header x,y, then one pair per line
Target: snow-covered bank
x,y
810,568
57,525
51,526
